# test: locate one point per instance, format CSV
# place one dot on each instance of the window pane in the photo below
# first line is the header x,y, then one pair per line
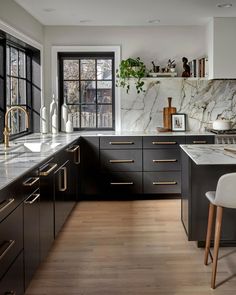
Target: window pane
x,y
88,92
8,60
14,90
104,116
75,112
71,69
104,91
87,69
104,69
22,65
17,121
22,91
14,62
71,91
8,91
88,116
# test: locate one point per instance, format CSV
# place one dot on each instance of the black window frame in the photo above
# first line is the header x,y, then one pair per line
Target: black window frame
x,y
86,55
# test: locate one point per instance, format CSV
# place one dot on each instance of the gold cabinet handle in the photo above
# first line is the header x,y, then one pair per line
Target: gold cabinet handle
x,y
199,141
164,182
63,188
51,166
121,142
76,150
31,181
164,142
120,161
5,204
5,247
121,183
165,161
31,199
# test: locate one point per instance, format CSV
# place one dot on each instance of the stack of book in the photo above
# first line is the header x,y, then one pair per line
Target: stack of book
x,y
199,67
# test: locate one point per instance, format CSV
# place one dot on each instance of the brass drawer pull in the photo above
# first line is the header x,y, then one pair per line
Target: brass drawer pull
x,y
47,172
72,149
199,141
164,142
165,161
30,201
121,183
121,142
31,181
75,149
8,203
120,161
64,188
164,182
5,247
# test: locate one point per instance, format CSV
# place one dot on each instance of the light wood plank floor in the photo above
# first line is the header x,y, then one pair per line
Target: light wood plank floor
x,y
129,248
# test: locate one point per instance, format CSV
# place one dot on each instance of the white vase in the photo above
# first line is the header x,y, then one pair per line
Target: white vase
x,y
43,118
64,116
53,107
69,124
54,122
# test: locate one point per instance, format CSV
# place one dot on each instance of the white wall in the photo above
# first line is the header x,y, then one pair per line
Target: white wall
x,y
150,43
15,16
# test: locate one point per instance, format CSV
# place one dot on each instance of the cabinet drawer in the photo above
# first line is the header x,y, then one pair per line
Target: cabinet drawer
x,y
122,183
200,139
11,238
121,160
162,182
13,282
156,142
121,142
161,160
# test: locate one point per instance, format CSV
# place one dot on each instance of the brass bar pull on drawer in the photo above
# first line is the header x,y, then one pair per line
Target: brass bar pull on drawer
x,y
199,141
5,247
5,204
32,198
50,169
121,142
63,188
165,161
120,161
72,149
164,142
164,182
31,181
121,183
75,149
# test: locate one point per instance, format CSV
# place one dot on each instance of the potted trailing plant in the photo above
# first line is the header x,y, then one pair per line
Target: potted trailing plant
x,y
131,68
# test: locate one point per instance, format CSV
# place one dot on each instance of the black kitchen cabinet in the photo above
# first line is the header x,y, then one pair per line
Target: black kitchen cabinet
x,y
13,281
121,142
200,139
156,142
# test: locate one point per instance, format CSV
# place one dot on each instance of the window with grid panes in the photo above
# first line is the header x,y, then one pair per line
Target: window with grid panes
x,y
87,87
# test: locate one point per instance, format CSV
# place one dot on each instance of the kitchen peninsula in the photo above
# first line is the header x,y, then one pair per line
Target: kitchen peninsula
x,y
202,165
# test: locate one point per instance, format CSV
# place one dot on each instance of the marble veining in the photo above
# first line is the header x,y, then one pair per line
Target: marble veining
x,y
202,100
211,154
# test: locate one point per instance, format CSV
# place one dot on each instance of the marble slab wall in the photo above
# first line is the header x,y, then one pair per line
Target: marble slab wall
x,y
203,101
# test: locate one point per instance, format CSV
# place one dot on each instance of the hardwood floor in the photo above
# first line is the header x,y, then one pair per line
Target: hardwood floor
x,y
129,248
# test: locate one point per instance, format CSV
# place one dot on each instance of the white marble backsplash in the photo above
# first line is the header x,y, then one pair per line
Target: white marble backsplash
x,y
203,101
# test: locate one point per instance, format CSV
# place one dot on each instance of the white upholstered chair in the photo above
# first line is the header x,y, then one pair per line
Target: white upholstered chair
x,y
223,197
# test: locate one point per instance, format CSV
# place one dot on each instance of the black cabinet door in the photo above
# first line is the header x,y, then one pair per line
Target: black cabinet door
x,y
31,235
200,139
13,282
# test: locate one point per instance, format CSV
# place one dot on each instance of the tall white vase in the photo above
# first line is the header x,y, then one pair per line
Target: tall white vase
x,y
43,122
53,107
54,122
64,116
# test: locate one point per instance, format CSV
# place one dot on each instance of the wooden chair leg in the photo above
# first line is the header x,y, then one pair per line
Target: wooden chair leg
x,y
219,214
209,231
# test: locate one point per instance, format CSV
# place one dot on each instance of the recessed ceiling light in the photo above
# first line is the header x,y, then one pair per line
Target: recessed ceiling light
x,y
153,21
49,9
224,5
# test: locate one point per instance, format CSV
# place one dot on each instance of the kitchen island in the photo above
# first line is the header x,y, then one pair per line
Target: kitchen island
x,y
202,165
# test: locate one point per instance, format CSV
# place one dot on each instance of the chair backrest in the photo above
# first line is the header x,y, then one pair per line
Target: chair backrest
x,y
226,191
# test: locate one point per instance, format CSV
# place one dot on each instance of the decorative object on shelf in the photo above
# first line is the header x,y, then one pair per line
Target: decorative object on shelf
x,y
155,68
186,72
43,116
167,112
54,122
178,122
221,124
52,108
131,68
69,125
171,66
64,116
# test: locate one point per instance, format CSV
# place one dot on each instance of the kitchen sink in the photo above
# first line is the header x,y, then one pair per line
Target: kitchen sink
x,y
37,147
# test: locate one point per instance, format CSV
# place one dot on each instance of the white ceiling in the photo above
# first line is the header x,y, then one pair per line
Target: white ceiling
x,y
125,12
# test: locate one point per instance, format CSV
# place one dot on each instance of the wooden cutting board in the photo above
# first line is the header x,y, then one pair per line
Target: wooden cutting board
x,y
167,111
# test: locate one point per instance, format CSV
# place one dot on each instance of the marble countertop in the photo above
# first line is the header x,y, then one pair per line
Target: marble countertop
x,y
211,154
29,151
